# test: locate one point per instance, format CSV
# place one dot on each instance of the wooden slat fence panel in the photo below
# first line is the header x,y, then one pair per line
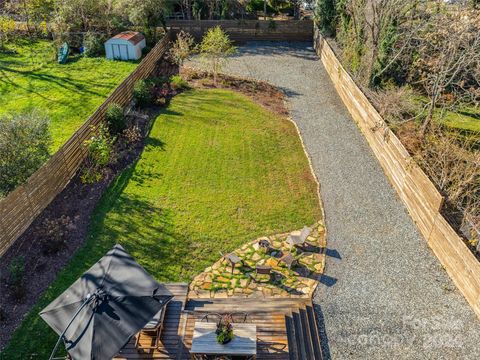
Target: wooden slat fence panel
x,y
413,186
24,204
247,30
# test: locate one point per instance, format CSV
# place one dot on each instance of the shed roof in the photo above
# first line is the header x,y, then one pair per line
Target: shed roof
x,y
132,36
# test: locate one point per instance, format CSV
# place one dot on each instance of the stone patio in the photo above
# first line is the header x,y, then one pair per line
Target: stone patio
x,y
218,280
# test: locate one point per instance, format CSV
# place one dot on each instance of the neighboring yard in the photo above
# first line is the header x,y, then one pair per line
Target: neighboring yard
x,y
68,94
218,171
464,119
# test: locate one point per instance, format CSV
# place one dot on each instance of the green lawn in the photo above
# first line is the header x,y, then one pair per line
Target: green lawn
x,y
464,119
218,171
31,79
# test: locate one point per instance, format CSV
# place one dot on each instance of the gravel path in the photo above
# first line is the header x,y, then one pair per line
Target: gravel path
x,y
385,295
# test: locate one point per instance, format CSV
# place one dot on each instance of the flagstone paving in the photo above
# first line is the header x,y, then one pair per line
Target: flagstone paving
x,y
221,281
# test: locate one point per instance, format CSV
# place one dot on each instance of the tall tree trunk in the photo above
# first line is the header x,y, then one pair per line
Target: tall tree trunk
x,y
431,110
27,16
188,8
433,103
296,9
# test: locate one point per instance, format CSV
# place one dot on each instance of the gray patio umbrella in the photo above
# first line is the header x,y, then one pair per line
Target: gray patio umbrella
x,y
97,315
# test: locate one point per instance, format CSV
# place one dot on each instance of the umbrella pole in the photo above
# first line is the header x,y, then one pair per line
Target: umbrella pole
x,y
87,300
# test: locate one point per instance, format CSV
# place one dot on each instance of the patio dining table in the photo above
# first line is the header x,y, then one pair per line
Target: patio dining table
x,y
243,344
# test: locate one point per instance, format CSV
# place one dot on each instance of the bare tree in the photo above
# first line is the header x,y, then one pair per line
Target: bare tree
x,y
182,48
448,59
454,165
186,6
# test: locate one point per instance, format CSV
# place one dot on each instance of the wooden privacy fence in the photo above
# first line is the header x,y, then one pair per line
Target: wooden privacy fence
x,y
26,202
419,194
248,30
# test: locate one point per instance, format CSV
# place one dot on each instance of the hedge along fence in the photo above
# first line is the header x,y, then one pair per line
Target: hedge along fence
x,y
419,194
26,202
248,30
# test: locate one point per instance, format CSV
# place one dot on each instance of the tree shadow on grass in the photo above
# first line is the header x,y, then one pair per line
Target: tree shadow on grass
x,y
154,144
147,229
61,81
167,111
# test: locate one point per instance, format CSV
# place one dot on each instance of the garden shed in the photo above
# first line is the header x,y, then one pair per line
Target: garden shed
x,y
127,45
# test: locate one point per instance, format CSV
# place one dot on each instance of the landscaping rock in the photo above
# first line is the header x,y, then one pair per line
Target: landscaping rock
x,y
256,257
284,282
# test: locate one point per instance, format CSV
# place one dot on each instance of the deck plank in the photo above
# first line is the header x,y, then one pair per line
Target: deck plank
x,y
270,317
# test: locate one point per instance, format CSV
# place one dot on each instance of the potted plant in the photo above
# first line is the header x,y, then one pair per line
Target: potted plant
x,y
224,329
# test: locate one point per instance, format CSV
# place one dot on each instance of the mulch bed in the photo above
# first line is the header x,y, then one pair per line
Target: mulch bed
x,y
78,201
261,92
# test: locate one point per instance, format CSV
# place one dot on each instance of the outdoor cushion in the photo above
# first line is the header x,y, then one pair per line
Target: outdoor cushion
x,y
294,239
152,324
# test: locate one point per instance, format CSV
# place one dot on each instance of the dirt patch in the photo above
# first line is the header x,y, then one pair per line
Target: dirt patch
x,y
261,92
78,201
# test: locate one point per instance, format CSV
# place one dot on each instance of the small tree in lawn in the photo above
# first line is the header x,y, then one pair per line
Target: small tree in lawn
x,y
215,47
182,48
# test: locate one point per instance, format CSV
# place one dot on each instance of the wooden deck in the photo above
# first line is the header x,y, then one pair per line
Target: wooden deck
x,y
286,328
172,334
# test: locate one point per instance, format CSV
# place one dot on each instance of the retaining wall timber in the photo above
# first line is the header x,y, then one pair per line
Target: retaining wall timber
x,y
413,186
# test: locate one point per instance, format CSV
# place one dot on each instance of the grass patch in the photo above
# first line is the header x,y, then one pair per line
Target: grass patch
x,y
464,119
30,78
218,170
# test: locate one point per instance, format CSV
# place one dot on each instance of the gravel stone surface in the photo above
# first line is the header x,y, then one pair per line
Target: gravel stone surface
x,y
384,295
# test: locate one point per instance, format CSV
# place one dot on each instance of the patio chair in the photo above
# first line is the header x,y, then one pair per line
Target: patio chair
x,y
289,260
264,244
299,240
211,318
232,258
153,329
263,273
239,317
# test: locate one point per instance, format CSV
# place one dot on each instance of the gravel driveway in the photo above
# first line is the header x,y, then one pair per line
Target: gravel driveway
x,y
384,295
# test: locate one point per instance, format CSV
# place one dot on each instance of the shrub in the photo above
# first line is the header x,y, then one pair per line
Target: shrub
x,y
141,93
24,142
100,149
132,135
325,16
179,83
158,81
53,234
115,118
395,104
7,28
16,272
272,25
453,163
254,6
92,45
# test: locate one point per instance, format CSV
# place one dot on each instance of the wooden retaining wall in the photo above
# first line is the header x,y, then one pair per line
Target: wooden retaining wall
x,y
26,202
248,30
419,194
